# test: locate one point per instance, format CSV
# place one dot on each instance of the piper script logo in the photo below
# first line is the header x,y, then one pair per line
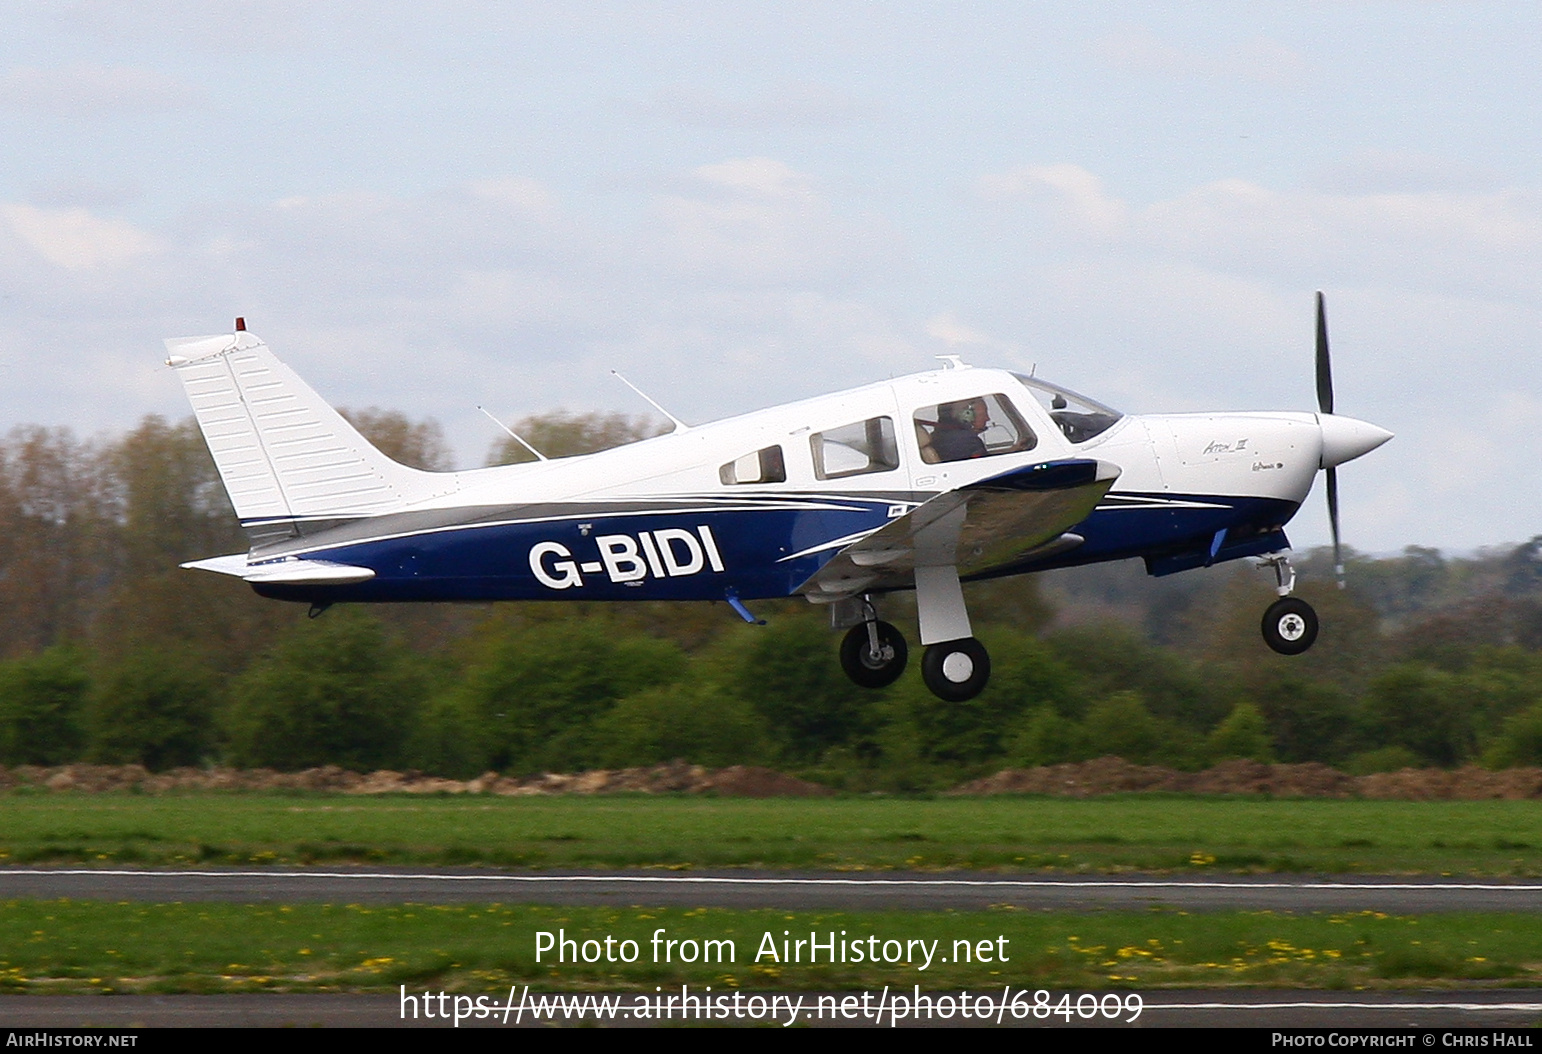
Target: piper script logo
x,y
671,552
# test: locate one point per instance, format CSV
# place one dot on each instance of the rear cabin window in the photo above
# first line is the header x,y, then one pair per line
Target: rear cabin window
x,y
855,449
983,426
760,466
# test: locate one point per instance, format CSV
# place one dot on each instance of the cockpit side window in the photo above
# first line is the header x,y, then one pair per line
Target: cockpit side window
x,y
855,449
983,426
1079,417
760,466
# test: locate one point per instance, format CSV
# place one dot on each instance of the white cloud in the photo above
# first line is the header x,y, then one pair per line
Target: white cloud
x,y
87,91
757,219
757,175
1075,192
1489,240
75,239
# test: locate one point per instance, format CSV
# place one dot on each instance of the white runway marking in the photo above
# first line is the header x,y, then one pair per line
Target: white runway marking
x,y
1004,883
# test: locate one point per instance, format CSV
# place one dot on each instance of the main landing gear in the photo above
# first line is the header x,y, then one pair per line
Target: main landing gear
x,y
874,655
1290,624
956,670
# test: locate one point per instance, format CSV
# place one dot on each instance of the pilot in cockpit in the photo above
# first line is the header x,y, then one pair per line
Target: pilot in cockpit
x,y
957,435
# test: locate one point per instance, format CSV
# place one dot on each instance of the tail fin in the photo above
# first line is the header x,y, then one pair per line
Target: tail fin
x,y
284,454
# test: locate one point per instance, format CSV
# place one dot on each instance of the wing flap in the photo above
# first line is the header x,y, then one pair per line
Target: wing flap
x,y
977,528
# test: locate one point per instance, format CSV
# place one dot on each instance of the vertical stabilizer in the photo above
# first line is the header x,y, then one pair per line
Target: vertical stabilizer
x,y
282,452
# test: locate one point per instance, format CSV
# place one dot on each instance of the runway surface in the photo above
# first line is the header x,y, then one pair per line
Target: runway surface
x,y
793,891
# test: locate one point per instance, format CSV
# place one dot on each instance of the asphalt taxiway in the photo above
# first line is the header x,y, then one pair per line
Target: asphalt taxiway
x,y
789,890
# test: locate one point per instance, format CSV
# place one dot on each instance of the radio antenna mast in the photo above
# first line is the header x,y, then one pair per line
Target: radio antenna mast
x,y
680,426
513,435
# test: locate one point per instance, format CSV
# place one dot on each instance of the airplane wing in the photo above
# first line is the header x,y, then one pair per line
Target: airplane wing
x,y
979,527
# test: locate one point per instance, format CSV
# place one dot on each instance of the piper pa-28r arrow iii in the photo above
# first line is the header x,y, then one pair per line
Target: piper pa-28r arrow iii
x,y
916,483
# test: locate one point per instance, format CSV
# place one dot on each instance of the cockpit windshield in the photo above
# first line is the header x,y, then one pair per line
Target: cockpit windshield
x,y
1077,416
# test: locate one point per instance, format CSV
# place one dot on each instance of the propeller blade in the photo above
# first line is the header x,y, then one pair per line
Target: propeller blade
x,y
1324,369
1333,524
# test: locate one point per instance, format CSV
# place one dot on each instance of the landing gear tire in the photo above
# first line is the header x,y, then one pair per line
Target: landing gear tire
x,y
867,668
957,669
1290,626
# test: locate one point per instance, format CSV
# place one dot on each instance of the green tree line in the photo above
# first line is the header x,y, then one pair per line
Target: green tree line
x,y
113,654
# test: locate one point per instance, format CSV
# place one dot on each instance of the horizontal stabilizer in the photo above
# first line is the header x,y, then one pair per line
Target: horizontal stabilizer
x,y
285,572
980,527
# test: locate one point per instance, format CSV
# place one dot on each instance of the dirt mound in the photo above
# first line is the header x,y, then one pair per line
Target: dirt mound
x,y
674,777
1310,780
1466,784
750,781
1084,779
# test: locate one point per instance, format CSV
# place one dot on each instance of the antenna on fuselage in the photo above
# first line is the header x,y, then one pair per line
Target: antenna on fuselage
x,y
513,435
680,426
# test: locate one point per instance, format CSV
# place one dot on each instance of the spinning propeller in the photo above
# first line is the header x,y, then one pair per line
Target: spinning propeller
x,y
1343,438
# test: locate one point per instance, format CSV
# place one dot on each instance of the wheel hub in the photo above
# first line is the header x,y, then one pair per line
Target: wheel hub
x,y
958,667
877,659
1292,627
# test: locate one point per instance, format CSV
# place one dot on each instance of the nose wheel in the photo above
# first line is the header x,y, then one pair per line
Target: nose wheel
x,y
1290,626
874,654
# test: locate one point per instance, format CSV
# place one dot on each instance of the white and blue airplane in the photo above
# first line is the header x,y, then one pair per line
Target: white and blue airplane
x,y
918,483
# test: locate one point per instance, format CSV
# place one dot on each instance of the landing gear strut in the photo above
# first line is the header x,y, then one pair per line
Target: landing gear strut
x,y
1290,624
873,654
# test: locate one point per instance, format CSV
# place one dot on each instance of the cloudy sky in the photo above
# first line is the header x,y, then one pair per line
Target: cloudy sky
x,y
430,206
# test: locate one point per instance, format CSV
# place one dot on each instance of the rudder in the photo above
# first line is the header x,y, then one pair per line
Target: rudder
x,y
285,455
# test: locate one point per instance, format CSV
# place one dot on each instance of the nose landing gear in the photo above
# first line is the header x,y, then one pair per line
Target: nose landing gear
x,y
1290,624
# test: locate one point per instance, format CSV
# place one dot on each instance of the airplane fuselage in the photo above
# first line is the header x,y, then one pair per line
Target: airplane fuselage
x,y
664,519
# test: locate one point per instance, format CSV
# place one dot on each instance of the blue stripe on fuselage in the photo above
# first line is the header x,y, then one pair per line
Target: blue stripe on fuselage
x,y
494,562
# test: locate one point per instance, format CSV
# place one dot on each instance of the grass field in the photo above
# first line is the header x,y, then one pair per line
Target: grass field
x,y
52,946
61,946
1004,833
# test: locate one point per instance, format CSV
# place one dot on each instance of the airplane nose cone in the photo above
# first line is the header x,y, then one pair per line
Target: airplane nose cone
x,y
1344,438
